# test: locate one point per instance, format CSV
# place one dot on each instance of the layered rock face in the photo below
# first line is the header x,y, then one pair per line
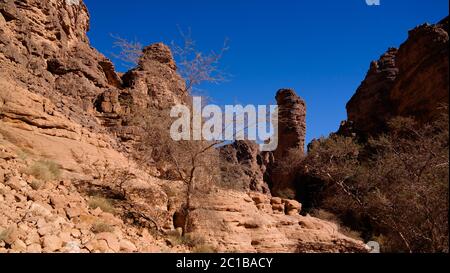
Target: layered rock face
x,y
44,45
291,136
255,223
410,81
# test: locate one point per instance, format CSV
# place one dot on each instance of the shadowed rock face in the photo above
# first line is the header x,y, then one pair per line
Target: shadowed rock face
x,y
410,81
252,165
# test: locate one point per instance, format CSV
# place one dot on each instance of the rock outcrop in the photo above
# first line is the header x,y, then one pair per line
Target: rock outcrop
x,y
233,221
410,81
44,46
291,136
245,162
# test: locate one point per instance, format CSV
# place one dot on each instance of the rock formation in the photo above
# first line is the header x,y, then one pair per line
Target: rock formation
x,y
67,184
410,81
291,136
245,162
262,224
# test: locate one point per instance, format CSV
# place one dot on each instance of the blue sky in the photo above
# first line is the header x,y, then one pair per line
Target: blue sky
x,y
322,49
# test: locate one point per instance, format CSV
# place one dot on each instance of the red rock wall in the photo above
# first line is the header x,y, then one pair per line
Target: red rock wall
x,y
410,81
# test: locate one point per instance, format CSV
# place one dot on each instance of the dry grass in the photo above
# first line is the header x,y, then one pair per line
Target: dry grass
x,y
204,248
187,240
44,170
102,203
101,227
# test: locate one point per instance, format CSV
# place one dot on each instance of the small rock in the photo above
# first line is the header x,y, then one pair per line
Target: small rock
x,y
2,176
258,198
40,209
111,239
57,201
52,243
292,207
65,237
67,183
76,233
34,248
179,231
32,238
72,247
7,155
15,183
45,230
19,245
10,234
267,208
278,208
127,246
41,222
276,200
73,212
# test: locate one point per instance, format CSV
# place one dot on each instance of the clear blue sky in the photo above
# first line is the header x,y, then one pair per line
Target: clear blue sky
x,y
322,49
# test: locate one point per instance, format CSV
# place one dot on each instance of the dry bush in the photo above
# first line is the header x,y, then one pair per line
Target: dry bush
x,y
196,163
204,248
129,51
195,66
188,240
44,170
398,181
104,204
101,227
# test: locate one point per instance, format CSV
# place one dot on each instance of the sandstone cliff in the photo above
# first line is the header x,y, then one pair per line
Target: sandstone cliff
x,y
64,161
410,81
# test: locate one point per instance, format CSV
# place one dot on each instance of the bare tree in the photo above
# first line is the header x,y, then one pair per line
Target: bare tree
x,y
196,163
129,52
195,66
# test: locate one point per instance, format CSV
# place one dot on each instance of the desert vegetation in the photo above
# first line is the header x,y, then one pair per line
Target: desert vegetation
x,y
45,170
194,66
393,188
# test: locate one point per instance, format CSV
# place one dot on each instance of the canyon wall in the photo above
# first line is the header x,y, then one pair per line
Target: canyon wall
x,y
412,81
64,139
